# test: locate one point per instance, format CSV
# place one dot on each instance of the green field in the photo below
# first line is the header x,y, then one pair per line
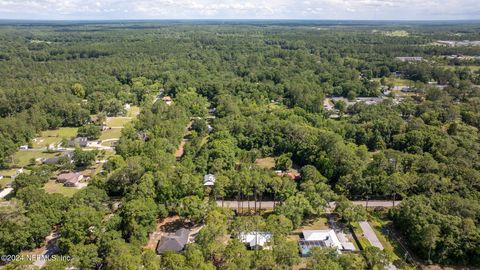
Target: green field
x,y
4,182
114,133
22,158
54,136
53,187
61,132
118,121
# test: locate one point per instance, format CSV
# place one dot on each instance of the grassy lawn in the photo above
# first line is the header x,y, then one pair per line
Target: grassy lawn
x,y
61,132
8,173
54,136
266,163
22,158
133,112
114,133
53,187
118,121
5,181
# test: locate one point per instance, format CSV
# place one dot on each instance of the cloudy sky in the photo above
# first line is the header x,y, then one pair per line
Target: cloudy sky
x,y
241,9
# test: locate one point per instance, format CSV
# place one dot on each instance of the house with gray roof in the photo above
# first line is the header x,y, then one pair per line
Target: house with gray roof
x,y
173,242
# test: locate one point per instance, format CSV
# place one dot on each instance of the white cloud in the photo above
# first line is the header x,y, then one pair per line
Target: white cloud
x,y
241,9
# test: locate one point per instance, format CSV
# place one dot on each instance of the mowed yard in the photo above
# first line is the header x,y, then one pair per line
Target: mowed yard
x,y
54,136
23,158
53,187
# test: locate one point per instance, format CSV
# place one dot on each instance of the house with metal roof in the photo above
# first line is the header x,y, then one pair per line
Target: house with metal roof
x,y
254,240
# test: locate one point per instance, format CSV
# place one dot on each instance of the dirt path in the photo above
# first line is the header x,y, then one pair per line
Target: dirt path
x,y
155,236
181,147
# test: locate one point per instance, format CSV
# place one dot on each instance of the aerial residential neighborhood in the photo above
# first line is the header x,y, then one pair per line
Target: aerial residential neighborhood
x,y
238,135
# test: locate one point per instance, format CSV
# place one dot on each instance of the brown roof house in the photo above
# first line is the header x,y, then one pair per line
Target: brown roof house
x,y
69,179
173,242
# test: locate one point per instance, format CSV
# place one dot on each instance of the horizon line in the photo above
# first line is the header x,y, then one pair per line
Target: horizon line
x,y
242,19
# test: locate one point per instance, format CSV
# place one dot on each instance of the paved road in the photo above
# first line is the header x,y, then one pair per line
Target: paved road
x,y
269,204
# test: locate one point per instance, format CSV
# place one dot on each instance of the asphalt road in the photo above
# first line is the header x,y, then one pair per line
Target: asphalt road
x,y
269,204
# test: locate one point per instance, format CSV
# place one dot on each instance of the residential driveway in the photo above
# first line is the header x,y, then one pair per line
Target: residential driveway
x,y
370,234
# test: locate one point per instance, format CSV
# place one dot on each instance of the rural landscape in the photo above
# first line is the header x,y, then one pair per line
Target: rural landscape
x,y
251,144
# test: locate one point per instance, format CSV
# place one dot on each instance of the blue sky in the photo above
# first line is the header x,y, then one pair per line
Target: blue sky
x,y
241,9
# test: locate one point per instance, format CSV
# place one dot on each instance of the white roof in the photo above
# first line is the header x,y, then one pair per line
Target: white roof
x,y
255,238
5,192
327,236
209,180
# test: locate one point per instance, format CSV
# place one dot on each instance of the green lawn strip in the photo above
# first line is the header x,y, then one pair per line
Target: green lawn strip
x,y
66,132
114,133
53,187
118,121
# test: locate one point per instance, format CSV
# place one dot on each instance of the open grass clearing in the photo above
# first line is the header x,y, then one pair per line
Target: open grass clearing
x,y
113,133
118,121
265,163
66,132
53,187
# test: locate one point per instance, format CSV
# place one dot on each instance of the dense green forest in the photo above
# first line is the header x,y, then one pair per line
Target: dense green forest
x,y
261,88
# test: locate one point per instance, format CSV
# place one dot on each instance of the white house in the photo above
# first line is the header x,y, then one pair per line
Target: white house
x,y
24,147
328,237
209,180
255,239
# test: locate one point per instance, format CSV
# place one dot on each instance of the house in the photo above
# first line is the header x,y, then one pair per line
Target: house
x,y
24,147
168,100
173,242
209,180
80,141
318,238
254,240
69,179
